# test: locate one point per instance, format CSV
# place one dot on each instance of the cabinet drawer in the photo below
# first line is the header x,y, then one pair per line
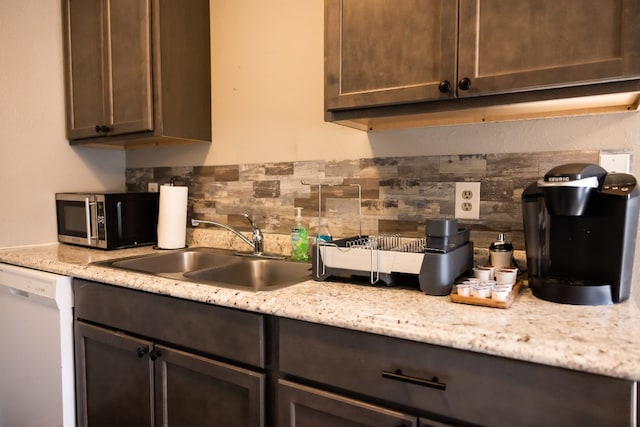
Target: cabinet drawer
x,y
305,406
452,383
223,332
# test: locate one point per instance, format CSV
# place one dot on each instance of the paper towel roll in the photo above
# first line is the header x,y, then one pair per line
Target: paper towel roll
x,y
172,217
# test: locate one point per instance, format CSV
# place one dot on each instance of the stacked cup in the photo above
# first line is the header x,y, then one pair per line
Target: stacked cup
x,y
489,282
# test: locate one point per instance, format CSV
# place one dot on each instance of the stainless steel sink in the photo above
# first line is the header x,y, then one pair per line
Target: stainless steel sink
x,y
175,262
216,267
258,274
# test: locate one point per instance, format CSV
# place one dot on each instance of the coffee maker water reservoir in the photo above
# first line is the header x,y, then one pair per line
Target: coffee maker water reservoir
x,y
580,226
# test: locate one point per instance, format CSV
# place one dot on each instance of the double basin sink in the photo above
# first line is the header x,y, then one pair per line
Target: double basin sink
x,y
217,267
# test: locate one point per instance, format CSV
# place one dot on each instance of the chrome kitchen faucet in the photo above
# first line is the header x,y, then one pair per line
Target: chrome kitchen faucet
x,y
257,242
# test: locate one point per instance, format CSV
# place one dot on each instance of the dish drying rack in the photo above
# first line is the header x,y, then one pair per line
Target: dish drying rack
x,y
384,258
379,255
444,254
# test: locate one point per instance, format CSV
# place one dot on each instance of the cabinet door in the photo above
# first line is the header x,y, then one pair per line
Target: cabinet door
x,y
113,384
85,67
381,52
108,49
302,406
535,44
129,41
194,391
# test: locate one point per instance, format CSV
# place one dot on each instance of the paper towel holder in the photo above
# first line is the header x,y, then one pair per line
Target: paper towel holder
x,y
172,216
174,179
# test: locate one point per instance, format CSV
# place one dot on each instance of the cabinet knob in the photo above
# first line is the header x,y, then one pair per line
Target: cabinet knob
x,y
102,128
444,86
142,351
154,354
464,83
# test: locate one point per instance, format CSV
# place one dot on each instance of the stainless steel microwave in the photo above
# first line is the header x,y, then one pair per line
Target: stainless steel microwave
x,y
107,220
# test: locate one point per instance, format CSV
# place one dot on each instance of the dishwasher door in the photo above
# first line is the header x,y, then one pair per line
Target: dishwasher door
x,y
36,349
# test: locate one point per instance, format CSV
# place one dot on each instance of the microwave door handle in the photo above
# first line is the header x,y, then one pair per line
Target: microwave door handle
x,y
119,210
87,216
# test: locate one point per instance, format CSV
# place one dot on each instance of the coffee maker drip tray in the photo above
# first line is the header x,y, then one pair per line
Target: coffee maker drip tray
x,y
567,291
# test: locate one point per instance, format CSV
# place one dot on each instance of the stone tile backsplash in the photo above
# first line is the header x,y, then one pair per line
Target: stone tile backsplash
x,y
398,193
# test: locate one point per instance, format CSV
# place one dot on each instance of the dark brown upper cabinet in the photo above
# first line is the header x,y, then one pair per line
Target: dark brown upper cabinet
x,y
405,59
137,72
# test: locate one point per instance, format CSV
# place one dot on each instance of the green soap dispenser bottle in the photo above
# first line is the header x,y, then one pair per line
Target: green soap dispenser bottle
x,y
299,239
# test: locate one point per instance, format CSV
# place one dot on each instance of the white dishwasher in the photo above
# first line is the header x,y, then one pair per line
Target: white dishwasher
x,y
36,349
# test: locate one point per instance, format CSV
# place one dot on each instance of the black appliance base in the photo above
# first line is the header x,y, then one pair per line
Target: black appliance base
x,y
564,293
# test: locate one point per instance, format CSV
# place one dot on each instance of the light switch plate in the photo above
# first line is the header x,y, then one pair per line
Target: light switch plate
x,y
615,162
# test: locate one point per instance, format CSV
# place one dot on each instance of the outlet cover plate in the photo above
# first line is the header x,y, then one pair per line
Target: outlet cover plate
x,y
467,200
615,162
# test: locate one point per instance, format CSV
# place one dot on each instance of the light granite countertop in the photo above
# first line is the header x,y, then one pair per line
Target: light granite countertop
x,y
602,340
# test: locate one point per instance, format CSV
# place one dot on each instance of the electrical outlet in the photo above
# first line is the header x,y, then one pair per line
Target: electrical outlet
x,y
615,162
468,200
152,187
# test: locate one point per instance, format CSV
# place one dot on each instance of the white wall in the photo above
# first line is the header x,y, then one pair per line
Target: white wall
x,y
267,83
36,160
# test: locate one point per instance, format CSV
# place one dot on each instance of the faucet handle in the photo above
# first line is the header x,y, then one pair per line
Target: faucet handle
x,y
248,217
258,239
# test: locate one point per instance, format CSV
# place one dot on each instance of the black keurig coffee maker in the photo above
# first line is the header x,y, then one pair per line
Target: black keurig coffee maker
x,y
580,227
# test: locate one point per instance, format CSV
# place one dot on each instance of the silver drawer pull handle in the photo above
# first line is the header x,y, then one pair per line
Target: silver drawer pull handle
x,y
399,376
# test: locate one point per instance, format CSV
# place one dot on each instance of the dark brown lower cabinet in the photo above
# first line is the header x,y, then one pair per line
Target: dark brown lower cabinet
x,y
302,406
115,384
444,384
195,391
146,360
126,381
